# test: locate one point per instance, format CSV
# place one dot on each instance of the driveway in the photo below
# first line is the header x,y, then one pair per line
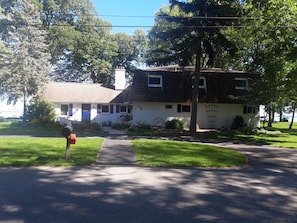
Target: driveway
x,y
265,191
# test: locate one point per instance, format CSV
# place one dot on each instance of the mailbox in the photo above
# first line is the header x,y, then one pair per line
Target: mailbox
x,y
72,138
66,131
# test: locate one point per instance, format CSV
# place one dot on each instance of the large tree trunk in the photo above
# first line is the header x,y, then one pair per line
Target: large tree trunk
x,y
293,115
270,115
193,123
25,107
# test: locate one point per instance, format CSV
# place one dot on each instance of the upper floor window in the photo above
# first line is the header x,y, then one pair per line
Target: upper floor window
x,y
155,81
202,83
241,83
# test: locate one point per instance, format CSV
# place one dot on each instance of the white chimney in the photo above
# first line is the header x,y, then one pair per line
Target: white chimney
x,y
120,79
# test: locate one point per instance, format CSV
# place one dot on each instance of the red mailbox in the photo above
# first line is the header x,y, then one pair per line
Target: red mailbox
x,y
72,138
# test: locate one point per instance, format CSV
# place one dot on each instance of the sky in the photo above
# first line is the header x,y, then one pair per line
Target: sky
x,y
129,13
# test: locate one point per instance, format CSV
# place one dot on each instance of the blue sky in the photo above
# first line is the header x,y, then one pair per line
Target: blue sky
x,y
129,8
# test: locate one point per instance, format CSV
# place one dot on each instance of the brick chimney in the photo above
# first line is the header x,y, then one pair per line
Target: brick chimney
x,y
120,79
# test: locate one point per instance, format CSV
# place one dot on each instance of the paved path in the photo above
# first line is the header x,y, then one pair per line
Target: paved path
x,y
117,150
264,192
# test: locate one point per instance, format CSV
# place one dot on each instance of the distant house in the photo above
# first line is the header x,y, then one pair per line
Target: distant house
x,y
162,94
90,102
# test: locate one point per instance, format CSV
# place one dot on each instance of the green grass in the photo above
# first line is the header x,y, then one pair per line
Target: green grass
x,y
184,154
27,151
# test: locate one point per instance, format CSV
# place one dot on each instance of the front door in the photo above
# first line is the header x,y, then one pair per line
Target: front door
x,y
86,112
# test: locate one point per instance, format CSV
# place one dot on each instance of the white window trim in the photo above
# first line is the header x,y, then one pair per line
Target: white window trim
x,y
103,112
155,85
242,87
204,83
121,109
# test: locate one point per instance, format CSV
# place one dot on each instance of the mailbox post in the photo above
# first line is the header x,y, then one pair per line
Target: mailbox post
x,y
66,132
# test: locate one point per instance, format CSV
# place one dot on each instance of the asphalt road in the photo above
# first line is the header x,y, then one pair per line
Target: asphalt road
x,y
265,191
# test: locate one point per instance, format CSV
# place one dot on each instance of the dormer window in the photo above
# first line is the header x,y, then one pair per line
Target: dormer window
x,y
202,83
241,83
154,80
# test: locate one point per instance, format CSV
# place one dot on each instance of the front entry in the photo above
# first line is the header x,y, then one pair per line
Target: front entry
x,y
86,112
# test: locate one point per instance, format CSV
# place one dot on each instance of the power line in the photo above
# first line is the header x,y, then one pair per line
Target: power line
x,y
192,17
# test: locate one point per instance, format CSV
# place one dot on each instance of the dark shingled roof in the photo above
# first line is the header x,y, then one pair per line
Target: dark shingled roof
x,y
177,85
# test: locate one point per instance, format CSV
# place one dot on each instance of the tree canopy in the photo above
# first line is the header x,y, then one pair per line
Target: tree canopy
x,y
27,67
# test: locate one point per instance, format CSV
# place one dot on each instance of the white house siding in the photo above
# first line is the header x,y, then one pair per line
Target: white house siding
x,y
209,115
94,116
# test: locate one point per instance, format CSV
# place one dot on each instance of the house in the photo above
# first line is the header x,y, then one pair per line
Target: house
x,y
162,94
158,95
90,102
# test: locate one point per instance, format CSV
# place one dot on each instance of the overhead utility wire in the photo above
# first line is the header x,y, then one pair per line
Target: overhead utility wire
x,y
192,17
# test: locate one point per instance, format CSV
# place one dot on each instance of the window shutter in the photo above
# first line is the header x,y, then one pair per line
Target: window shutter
x,y
111,109
99,109
70,109
117,108
179,108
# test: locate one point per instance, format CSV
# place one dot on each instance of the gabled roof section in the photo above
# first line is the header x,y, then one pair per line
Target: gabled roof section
x,y
66,92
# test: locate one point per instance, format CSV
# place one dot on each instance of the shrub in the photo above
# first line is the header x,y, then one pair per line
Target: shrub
x,y
142,126
174,124
96,126
121,126
238,122
41,112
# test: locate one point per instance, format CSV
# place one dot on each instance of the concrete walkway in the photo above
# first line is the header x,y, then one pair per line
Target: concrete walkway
x,y
116,149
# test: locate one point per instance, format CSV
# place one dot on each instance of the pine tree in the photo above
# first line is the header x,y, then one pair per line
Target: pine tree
x,y
28,65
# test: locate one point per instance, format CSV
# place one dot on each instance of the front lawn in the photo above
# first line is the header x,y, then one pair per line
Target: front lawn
x,y
27,151
184,154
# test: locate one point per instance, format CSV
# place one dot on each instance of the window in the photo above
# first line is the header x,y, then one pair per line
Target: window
x,y
168,106
202,82
155,81
123,108
183,108
241,83
64,109
249,109
105,108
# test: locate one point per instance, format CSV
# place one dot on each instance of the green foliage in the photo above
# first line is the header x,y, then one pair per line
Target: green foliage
x,y
41,112
238,122
174,124
27,67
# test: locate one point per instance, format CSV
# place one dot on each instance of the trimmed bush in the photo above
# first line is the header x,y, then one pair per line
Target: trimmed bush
x,y
174,124
238,122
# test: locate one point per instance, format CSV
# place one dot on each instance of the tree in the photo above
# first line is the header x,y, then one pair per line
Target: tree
x,y
41,112
28,65
267,41
194,30
81,45
141,43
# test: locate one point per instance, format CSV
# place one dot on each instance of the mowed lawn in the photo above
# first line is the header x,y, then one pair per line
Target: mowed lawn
x,y
184,154
32,151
